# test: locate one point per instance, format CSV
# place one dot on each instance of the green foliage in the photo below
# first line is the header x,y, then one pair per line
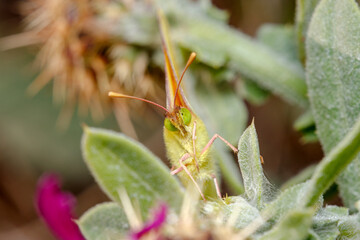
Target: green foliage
x,y
333,69
253,59
349,228
333,165
325,222
304,12
306,125
257,187
118,162
301,177
294,226
104,221
192,22
285,201
252,92
246,213
281,39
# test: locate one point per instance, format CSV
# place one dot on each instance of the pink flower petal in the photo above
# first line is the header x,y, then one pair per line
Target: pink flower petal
x,y
158,220
55,207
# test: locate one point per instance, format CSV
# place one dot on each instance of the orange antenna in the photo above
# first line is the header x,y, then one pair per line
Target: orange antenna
x,y
119,95
191,59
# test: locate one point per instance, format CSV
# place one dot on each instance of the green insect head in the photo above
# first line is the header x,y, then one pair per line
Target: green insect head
x,y
177,112
178,120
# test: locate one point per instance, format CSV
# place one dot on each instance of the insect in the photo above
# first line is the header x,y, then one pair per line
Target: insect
x,y
185,135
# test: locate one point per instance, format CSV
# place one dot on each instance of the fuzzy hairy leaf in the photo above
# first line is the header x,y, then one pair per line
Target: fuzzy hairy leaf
x,y
330,214
286,201
117,161
333,70
304,12
196,31
253,59
257,187
194,27
350,228
105,221
244,211
235,211
281,39
301,177
294,225
332,166
240,212
325,222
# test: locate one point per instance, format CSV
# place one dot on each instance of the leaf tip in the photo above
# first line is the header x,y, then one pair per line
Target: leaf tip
x,y
252,122
85,127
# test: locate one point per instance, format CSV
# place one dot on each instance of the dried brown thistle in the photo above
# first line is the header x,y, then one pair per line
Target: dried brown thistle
x,y
82,60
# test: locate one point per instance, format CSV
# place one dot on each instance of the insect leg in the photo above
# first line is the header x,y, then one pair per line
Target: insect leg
x,y
183,167
194,146
208,145
212,141
216,185
176,171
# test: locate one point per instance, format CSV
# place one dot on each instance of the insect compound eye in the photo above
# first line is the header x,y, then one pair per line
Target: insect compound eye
x,y
185,115
169,126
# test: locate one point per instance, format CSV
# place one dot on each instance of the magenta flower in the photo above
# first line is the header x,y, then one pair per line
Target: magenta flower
x,y
56,208
154,225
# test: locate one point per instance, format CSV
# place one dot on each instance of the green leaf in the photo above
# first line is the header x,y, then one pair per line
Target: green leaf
x,y
251,58
304,12
104,221
218,45
117,161
245,212
332,165
309,137
313,235
281,39
294,225
350,228
286,201
136,25
325,222
333,70
305,121
301,177
306,125
252,92
234,211
257,187
195,28
211,102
